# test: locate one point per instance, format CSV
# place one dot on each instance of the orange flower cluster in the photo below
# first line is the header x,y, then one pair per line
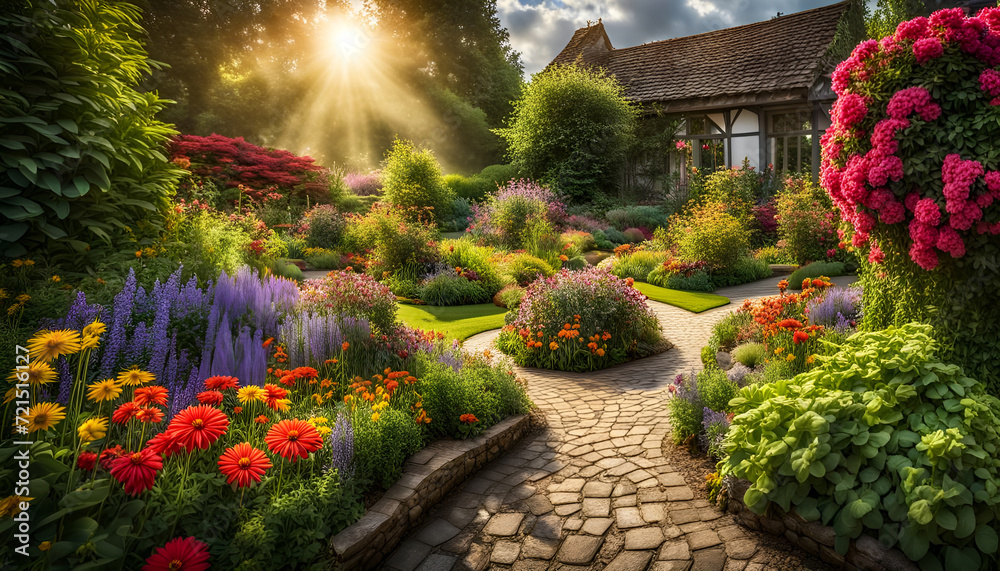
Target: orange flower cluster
x,y
468,418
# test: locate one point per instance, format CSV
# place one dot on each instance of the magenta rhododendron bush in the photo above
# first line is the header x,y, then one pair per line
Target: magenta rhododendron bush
x,y
913,164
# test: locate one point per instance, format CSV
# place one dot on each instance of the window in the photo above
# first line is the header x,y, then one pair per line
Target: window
x,y
708,148
790,141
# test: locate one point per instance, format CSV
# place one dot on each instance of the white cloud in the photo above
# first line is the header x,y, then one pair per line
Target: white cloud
x,y
702,7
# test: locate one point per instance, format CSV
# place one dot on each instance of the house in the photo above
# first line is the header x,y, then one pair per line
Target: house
x,y
759,91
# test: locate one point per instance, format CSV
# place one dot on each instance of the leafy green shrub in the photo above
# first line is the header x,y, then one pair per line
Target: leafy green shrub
x,y
634,235
746,269
580,321
412,178
489,392
685,407
523,269
638,264
508,216
209,243
579,241
402,286
83,161
544,242
509,297
712,235
649,217
813,271
716,389
326,227
750,354
571,128
708,356
772,255
461,212
882,438
468,256
576,263
394,239
615,237
465,187
351,294
726,332
449,288
382,446
602,241
326,261
286,269
294,246
807,222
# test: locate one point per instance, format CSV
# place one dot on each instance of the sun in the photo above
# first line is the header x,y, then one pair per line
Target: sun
x,y
347,42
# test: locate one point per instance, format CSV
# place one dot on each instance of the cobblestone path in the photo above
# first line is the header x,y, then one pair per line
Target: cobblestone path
x,y
593,490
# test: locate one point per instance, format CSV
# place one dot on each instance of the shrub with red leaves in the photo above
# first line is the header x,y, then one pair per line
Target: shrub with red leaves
x,y
230,162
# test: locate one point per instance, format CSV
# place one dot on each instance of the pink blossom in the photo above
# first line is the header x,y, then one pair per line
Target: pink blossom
x,y
990,16
911,201
924,257
964,216
875,255
914,29
949,241
989,81
927,49
913,99
927,212
849,110
949,20
892,212
831,252
884,135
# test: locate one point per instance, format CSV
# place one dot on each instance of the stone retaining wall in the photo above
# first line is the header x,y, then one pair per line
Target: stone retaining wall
x,y
865,553
427,477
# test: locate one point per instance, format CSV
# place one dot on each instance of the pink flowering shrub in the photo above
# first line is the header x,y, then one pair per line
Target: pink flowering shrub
x,y
911,162
580,321
507,216
350,294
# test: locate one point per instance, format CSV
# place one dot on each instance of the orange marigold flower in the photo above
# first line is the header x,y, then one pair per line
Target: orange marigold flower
x,y
243,464
563,257
268,342
344,346
553,345
261,419
293,439
468,418
790,324
600,352
198,426
800,336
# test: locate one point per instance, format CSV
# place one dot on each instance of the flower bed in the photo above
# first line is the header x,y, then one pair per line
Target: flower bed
x,y
195,423
580,321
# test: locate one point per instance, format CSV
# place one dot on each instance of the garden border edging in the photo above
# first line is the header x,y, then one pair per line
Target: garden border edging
x,y
865,553
427,476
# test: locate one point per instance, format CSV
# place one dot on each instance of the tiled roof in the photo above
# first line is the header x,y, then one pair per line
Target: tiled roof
x,y
776,56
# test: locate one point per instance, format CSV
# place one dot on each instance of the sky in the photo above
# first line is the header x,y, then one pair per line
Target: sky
x,y
540,29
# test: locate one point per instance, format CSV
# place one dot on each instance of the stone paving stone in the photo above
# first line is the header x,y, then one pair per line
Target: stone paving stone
x,y
624,502
408,555
623,489
597,525
567,509
538,504
530,565
478,485
520,492
671,479
579,549
476,559
622,469
590,471
630,561
731,533
539,548
694,526
671,565
438,562
597,490
735,565
677,549
652,513
628,517
596,507
638,476
459,517
652,495
679,517
563,498
702,539
741,548
573,524
547,527
505,552
439,531
709,560
643,538
460,543
504,524
569,485
679,493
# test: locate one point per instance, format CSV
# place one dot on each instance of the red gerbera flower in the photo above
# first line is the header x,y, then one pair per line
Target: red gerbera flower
x,y
149,414
800,336
292,439
109,455
198,426
137,470
153,394
243,463
187,554
164,443
86,460
125,412
221,383
213,398
272,394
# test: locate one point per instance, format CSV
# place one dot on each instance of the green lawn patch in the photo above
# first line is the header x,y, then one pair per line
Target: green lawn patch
x,y
455,321
693,301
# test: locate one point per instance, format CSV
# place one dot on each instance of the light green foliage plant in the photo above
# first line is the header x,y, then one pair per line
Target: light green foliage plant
x,y
882,438
83,157
638,264
571,128
209,243
509,297
399,240
523,269
449,288
716,389
326,227
649,217
710,234
412,177
467,255
751,354
381,447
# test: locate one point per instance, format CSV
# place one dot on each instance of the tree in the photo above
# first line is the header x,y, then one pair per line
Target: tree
x,y
890,13
82,149
571,128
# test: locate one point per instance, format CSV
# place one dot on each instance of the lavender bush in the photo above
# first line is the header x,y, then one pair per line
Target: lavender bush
x,y
685,406
364,184
715,425
342,444
507,215
839,308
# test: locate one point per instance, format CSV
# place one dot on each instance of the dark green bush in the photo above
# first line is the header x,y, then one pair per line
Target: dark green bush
x,y
715,389
326,227
649,217
509,297
449,288
813,271
382,446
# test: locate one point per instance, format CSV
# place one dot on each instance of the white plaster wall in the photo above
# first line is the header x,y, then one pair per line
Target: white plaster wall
x,y
747,122
748,147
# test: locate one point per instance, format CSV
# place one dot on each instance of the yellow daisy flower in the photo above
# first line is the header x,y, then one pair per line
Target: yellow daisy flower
x,y
48,345
95,328
135,377
93,429
104,390
11,505
250,393
44,416
38,373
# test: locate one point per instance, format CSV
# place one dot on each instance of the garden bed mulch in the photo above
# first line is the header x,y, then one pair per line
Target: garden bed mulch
x,y
774,552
